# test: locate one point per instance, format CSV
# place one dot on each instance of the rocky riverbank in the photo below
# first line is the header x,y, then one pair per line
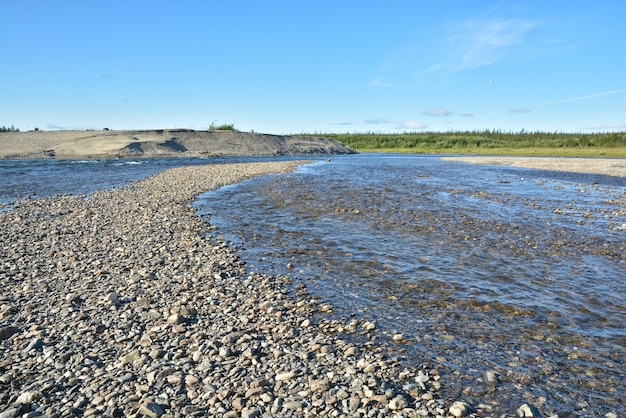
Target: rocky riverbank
x,y
159,143
118,304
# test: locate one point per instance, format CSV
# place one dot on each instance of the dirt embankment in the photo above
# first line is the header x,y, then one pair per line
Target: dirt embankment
x,y
159,143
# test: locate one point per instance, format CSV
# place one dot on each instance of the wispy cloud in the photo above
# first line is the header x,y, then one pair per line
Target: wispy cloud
x,y
373,121
576,99
378,121
55,127
606,128
438,112
479,42
458,46
554,102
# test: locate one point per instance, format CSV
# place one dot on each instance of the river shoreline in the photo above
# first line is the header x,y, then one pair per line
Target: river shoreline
x,y
120,305
604,166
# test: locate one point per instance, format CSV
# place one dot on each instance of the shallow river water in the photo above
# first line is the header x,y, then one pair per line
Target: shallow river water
x,y
517,271
481,268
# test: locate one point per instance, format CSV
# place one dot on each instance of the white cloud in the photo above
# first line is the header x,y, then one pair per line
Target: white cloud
x,y
377,121
520,110
411,124
438,112
343,123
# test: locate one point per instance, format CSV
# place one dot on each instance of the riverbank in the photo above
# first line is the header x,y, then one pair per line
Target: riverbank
x,y
118,304
159,143
605,166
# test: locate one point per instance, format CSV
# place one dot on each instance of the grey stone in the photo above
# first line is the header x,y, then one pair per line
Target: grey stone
x,y
150,409
8,332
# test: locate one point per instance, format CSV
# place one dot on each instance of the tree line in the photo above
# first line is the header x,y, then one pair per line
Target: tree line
x,y
479,139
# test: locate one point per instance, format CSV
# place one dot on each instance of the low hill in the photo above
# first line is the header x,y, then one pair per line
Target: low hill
x,y
160,143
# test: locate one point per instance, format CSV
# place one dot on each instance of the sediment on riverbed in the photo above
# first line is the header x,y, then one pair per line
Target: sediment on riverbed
x,y
119,303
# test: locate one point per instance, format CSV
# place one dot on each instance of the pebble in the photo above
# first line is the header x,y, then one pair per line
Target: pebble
x,y
7,332
527,411
397,403
459,409
134,311
150,409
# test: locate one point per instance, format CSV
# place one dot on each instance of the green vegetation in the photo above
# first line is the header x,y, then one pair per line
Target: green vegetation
x,y
222,127
489,142
8,129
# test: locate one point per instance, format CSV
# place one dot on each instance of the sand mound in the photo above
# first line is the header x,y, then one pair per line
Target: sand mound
x,y
159,143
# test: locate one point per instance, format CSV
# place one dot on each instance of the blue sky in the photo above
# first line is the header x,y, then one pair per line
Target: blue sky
x,y
314,65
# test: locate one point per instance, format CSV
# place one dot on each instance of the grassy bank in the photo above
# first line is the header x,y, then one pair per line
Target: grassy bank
x,y
490,142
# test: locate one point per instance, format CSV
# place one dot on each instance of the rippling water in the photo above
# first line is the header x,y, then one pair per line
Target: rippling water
x,y
482,267
42,178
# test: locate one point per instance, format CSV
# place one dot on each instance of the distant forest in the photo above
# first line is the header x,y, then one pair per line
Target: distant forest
x,y
478,140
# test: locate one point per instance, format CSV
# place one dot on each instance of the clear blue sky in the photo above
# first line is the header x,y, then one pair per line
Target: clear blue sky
x,y
314,65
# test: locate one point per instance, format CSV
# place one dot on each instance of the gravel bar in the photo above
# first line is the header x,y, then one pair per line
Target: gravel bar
x,y
122,303
605,166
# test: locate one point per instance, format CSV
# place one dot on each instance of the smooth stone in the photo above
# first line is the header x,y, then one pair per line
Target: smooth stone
x,y
491,378
398,403
282,377
225,351
150,409
292,405
127,377
10,413
527,411
26,397
131,357
459,409
342,394
320,385
8,332
250,413
176,319
35,344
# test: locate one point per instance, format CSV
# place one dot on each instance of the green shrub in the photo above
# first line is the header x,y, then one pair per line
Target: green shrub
x,y
222,127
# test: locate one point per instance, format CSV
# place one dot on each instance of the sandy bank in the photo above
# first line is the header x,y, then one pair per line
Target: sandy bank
x,y
605,166
159,143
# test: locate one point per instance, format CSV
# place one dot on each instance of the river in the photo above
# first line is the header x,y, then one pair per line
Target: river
x,y
481,268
